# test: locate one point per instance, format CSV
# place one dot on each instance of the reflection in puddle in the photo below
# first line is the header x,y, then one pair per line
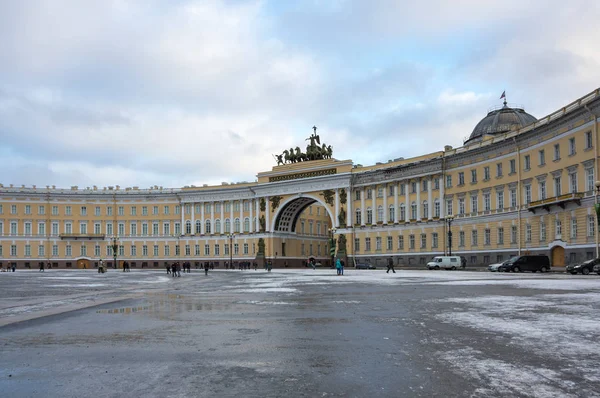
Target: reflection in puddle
x,y
167,304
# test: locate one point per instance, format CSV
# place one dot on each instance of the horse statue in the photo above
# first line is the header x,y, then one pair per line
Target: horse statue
x,y
299,155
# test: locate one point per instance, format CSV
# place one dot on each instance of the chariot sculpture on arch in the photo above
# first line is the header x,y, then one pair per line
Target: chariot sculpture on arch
x,y
314,151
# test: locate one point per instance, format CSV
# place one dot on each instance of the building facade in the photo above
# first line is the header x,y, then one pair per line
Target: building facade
x,y
518,185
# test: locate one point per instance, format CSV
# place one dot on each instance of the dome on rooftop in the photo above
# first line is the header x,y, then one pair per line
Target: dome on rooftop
x,y
501,120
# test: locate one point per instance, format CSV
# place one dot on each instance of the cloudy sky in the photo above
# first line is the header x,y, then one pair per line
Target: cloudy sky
x,y
180,92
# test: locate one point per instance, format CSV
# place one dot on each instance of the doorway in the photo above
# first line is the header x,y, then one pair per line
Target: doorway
x,y
557,256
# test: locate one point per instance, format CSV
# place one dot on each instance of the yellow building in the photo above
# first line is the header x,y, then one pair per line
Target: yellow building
x,y
518,185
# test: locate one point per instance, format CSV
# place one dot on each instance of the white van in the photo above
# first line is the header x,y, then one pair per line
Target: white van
x,y
445,262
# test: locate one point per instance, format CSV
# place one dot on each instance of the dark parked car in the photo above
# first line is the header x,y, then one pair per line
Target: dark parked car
x,y
364,266
585,267
597,269
526,263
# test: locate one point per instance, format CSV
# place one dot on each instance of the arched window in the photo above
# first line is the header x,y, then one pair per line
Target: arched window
x,y
198,227
217,226
369,215
425,209
188,227
413,211
207,227
380,213
402,212
227,226
246,224
436,208
358,217
236,225
392,213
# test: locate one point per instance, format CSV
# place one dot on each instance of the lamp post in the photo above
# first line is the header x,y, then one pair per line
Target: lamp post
x,y
449,220
115,247
597,209
230,236
332,246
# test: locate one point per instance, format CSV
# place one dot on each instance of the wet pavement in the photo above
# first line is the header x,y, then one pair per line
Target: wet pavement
x,y
298,333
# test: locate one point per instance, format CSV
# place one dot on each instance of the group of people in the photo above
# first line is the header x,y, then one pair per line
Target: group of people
x,y
42,266
9,267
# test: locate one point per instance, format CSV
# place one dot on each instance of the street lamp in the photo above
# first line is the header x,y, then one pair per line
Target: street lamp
x,y
230,236
597,208
332,246
449,220
115,247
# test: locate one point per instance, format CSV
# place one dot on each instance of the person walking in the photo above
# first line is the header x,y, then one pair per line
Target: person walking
x,y
41,266
178,268
313,264
338,266
174,270
168,267
390,266
206,268
269,265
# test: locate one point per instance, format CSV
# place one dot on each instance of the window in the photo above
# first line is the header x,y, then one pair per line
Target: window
x,y
473,176
423,241
97,211
378,243
486,173
27,209
527,233
558,227
41,251
461,238
589,178
133,229
401,242
166,210
474,202
41,228
391,213
413,211
55,210
557,186
436,183
133,250
369,194
97,228
356,245
390,243
217,226
527,193
68,228
513,197
380,214
449,210
542,230
487,237
500,236
542,157
434,240
154,210
167,250
144,210
369,215
207,250
542,189
448,181
356,194
27,250
41,210
573,228
425,209
109,211
557,152
13,250
411,242
68,211
513,233
413,187
217,250
121,210
109,229
402,212
461,206
487,202
402,189
571,146
573,182
588,140
198,227
436,208
166,229
591,226
68,251
527,162
27,229
84,210
13,209
425,185
367,244
358,217
461,178
380,192
144,250
513,167
498,169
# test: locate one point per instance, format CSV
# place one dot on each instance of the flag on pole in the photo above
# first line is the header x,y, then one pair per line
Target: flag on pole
x,y
503,95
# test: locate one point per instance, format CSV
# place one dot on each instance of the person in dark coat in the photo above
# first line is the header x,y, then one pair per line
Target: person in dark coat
x,y
41,266
174,270
206,268
390,265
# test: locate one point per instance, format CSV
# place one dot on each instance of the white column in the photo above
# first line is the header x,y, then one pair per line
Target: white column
x,y
193,218
182,211
241,216
408,210
222,217
385,209
442,200
257,208
251,217
418,199
336,220
374,205
396,209
202,228
267,215
231,217
430,197
362,207
348,208
212,217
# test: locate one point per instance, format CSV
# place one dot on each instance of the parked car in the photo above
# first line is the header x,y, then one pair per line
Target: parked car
x,y
526,263
585,267
364,266
494,267
597,269
445,262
